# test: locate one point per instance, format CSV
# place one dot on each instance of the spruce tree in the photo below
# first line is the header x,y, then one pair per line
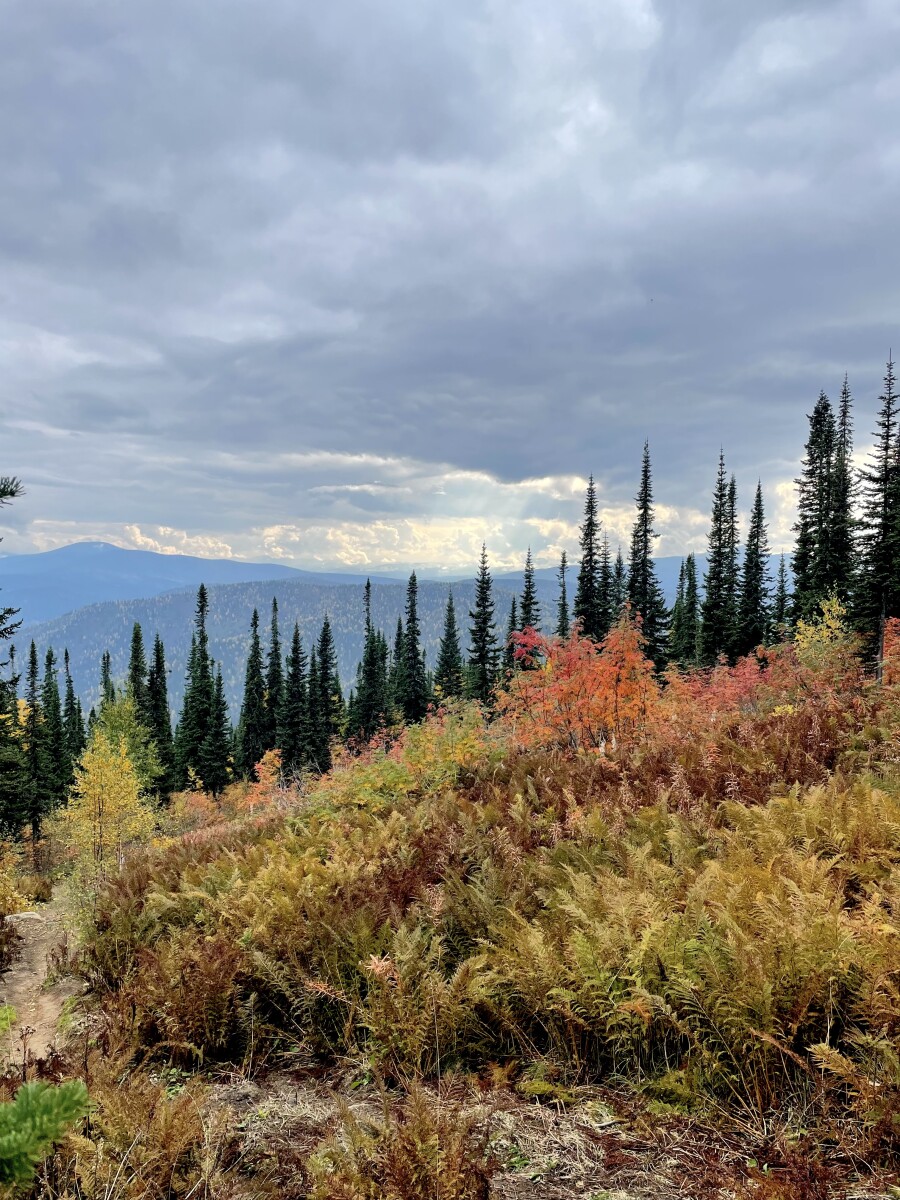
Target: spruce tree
x,y
57,763
530,608
107,687
274,681
842,565
562,606
370,702
199,697
251,740
754,617
293,722
644,590
35,754
14,790
509,646
159,718
397,678
812,564
319,746
781,605
878,588
448,674
137,675
73,721
415,692
587,593
619,589
605,606
484,654
330,704
718,611
216,748
685,625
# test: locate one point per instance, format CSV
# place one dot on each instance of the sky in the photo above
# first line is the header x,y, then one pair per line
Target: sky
x,y
361,284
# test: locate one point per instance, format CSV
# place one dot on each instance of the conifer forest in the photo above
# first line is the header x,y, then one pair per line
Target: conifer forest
x,y
600,899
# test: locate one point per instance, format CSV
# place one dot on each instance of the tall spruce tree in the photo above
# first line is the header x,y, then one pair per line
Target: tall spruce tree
x,y
137,675
58,767
319,744
415,692
685,625
330,700
159,718
274,681
781,605
619,585
842,542
754,616
509,645
216,749
397,676
605,586
73,721
644,590
812,562
371,704
484,654
878,587
35,751
107,687
530,608
448,674
562,606
293,723
199,697
719,609
587,593
251,736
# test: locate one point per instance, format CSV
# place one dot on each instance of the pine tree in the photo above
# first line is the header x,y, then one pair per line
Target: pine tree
x,y
216,748
812,563
878,588
293,722
754,617
274,681
587,593
73,722
137,675
199,697
484,655
645,593
619,588
415,694
562,606
781,606
159,718
35,753
251,745
842,564
530,608
509,646
448,675
58,768
719,609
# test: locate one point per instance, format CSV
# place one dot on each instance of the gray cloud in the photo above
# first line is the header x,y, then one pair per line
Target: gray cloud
x,y
479,241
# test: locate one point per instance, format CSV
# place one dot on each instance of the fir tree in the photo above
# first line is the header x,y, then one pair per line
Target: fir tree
x,y
58,769
216,748
14,789
619,589
530,608
719,609
370,702
199,697
484,655
812,563
587,593
644,591
274,681
781,606
159,718
755,590
331,698
448,675
509,646
35,753
107,687
878,589
842,564
397,679
73,722
562,606
293,722
415,691
605,607
319,746
251,741
685,625
137,675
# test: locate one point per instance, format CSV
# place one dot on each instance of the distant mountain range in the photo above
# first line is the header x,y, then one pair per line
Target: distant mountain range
x,y
87,596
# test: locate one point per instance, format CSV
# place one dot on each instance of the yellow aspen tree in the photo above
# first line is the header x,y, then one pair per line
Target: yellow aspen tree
x,y
106,812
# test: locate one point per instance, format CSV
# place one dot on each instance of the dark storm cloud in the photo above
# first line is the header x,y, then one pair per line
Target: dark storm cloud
x,y
274,265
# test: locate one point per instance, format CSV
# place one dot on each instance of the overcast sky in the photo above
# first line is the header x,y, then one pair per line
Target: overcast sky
x,y
366,283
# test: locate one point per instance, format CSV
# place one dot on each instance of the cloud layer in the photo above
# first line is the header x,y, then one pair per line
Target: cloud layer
x,y
367,284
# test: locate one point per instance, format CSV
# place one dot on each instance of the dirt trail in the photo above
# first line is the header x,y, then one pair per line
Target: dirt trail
x,y
38,1007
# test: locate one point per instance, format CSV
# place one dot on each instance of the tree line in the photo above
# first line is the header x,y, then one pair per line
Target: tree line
x,y
847,545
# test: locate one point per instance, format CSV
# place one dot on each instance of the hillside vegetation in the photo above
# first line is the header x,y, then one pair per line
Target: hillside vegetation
x,y
676,904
